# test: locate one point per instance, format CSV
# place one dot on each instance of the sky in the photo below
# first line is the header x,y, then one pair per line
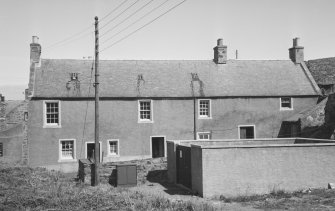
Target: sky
x,y
258,29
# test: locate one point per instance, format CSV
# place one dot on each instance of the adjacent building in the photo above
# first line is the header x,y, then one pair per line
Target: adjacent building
x,y
144,103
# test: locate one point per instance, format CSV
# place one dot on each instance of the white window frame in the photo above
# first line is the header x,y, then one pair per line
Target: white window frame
x,y
64,159
200,133
109,154
209,107
51,125
165,145
92,142
285,108
151,120
239,132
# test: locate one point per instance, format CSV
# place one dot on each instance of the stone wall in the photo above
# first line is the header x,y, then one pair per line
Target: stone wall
x,y
153,170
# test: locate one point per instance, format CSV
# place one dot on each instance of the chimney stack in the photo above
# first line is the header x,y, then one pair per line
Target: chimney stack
x,y
35,62
296,52
220,52
35,50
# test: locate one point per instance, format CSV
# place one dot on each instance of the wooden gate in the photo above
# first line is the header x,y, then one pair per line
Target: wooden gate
x,y
183,159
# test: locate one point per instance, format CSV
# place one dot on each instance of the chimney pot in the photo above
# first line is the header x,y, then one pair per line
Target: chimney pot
x,y
220,42
35,39
296,42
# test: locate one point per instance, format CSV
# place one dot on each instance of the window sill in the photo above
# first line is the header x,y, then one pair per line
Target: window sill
x,y
145,121
112,156
67,160
52,126
204,117
286,109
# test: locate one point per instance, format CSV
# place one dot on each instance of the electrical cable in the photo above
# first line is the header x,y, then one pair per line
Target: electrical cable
x,y
143,26
66,39
126,18
127,27
119,14
113,11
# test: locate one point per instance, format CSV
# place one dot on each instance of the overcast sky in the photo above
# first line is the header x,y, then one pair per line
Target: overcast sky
x,y
258,29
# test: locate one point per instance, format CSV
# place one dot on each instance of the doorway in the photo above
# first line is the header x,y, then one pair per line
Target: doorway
x,y
246,131
89,151
158,147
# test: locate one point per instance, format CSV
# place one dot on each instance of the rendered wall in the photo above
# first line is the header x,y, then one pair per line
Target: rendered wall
x,y
257,170
264,113
172,119
118,120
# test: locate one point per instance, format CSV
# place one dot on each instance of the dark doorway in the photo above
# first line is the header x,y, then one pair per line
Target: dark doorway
x,y
90,151
247,132
158,147
183,157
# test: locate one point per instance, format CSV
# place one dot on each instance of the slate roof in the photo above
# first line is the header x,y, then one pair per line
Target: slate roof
x,y
323,70
173,78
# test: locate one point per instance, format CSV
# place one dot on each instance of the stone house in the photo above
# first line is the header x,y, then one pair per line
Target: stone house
x,y
144,103
13,129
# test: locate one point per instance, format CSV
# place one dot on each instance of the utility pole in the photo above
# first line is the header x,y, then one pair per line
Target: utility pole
x,y
96,85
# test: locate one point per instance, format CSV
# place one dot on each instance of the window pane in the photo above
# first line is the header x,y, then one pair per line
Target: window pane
x,y
204,108
113,147
286,102
52,113
204,136
145,110
67,149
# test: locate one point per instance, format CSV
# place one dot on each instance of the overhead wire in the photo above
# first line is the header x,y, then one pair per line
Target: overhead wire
x,y
103,26
113,11
69,38
127,27
131,15
109,46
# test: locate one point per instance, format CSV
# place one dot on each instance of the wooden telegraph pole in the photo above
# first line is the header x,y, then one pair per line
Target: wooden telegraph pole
x,y
96,85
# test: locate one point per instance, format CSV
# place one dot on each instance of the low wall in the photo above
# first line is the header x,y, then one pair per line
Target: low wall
x,y
146,169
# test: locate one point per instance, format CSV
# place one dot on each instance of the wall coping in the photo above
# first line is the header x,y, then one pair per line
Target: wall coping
x,y
263,146
193,143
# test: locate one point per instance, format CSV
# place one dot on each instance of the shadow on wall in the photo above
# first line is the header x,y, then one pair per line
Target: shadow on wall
x,y
318,122
326,130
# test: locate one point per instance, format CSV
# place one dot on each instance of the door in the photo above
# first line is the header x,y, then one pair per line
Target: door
x,y
183,159
90,151
158,147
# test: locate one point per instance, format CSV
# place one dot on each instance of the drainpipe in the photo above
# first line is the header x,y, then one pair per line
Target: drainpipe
x,y
194,119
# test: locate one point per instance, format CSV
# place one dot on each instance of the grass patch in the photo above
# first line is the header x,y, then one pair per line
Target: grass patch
x,y
24,188
316,199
